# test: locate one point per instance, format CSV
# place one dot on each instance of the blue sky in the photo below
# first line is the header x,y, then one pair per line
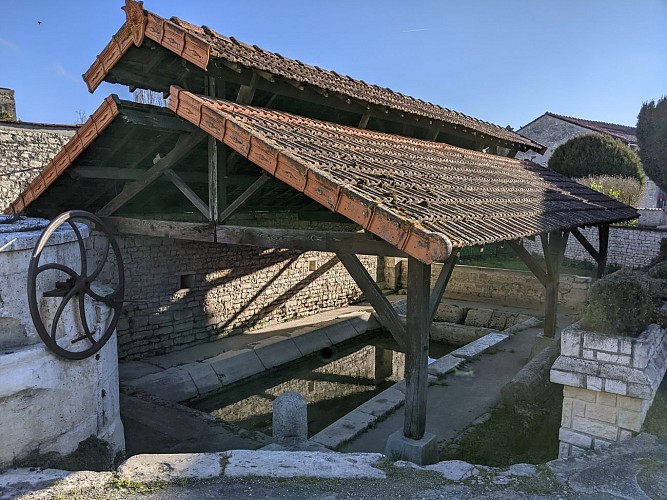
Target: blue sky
x,y
506,61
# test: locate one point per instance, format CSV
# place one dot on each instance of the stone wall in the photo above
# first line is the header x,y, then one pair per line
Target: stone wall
x,y
510,286
628,246
551,132
181,293
25,149
7,105
609,385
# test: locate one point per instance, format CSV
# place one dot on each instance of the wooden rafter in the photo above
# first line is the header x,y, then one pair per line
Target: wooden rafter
x,y
187,191
184,145
245,196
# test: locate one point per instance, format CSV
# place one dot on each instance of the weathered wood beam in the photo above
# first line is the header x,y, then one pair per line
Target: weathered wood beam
x,y
385,311
441,284
183,146
553,244
247,92
125,174
245,196
529,260
363,122
212,161
586,244
603,237
296,239
416,357
187,191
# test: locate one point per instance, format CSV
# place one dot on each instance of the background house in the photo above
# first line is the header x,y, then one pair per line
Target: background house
x,y
552,130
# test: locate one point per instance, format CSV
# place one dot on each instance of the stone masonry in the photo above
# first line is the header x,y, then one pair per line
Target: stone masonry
x,y
628,246
182,293
609,385
25,148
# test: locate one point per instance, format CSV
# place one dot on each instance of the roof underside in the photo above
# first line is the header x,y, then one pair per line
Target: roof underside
x,y
174,51
422,197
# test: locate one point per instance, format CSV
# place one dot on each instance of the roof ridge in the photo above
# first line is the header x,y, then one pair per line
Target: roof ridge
x,y
591,121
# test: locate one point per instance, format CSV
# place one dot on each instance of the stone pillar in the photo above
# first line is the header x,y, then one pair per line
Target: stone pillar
x,y
609,385
290,419
7,105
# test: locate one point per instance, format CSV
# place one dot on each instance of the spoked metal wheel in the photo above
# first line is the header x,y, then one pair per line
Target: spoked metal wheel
x,y
78,288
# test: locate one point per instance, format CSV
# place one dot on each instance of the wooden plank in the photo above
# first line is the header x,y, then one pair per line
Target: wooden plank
x,y
189,193
363,122
244,197
603,237
441,284
385,311
183,146
297,239
586,244
528,259
416,356
247,92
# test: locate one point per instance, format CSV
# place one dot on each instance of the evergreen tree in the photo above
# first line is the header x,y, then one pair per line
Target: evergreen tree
x,y
652,139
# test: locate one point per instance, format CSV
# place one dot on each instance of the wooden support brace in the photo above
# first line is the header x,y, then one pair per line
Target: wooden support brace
x,y
247,92
385,311
187,191
245,196
416,362
441,284
363,122
183,146
529,260
586,244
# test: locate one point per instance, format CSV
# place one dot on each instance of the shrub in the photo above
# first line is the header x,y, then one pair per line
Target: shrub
x,y
623,303
625,189
596,154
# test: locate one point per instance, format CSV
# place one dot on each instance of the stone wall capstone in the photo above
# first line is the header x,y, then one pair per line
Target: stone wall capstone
x,y
182,293
25,149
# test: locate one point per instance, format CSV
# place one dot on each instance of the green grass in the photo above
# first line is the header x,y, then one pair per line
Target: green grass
x,y
656,418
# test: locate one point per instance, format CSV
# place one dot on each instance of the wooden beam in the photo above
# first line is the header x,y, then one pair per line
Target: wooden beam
x,y
416,356
586,244
245,196
603,237
385,311
125,174
212,161
441,284
185,189
553,244
183,146
529,260
363,122
296,239
247,92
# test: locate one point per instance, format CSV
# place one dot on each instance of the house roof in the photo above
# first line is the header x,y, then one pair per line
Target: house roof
x,y
422,197
622,132
200,45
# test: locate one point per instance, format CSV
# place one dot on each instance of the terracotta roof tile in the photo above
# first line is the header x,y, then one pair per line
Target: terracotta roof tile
x,y
404,189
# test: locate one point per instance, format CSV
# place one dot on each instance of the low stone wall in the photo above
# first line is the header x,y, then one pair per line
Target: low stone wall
x,y
510,286
609,385
628,246
182,293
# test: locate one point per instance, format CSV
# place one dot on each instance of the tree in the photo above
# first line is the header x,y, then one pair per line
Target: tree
x,y
652,140
596,154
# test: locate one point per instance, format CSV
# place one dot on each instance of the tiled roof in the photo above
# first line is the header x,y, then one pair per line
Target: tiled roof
x,y
198,44
622,132
422,197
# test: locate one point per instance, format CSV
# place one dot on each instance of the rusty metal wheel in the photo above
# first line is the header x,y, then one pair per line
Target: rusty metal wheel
x,y
78,287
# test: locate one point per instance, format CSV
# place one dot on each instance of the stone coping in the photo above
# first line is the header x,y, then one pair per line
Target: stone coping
x,y
24,233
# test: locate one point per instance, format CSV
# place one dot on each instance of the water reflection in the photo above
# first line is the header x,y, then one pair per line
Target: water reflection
x,y
333,382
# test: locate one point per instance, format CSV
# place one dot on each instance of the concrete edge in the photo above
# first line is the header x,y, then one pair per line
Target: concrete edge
x,y
533,379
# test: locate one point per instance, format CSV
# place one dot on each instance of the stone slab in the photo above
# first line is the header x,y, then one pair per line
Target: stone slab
x,y
445,365
174,384
480,345
422,451
340,332
170,467
384,403
344,429
131,370
204,377
286,464
312,341
236,365
276,351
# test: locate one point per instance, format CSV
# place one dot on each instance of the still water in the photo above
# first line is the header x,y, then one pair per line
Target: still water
x,y
333,382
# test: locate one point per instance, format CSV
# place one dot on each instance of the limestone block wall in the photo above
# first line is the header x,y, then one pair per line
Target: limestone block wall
x,y
181,293
516,287
628,246
25,149
551,132
609,385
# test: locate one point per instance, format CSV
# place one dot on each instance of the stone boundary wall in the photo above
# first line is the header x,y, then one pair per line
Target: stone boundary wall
x,y
25,149
511,286
628,246
609,385
186,293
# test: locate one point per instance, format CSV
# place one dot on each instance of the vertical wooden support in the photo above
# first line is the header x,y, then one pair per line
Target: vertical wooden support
x,y
553,245
213,202
416,363
603,237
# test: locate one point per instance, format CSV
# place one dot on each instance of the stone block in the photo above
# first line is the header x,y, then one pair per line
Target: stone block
x,y
633,404
479,317
630,420
600,342
174,384
570,342
615,387
619,359
290,418
595,428
204,377
384,403
593,383
498,320
480,345
344,429
566,378
312,341
445,365
277,351
601,412
232,366
421,452
575,438
451,313
454,334
604,398
340,332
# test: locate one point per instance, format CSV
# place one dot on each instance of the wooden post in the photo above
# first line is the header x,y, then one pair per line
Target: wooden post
x,y
213,203
553,245
416,362
603,237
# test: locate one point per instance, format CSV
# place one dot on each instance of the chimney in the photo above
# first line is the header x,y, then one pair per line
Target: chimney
x,y
7,105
